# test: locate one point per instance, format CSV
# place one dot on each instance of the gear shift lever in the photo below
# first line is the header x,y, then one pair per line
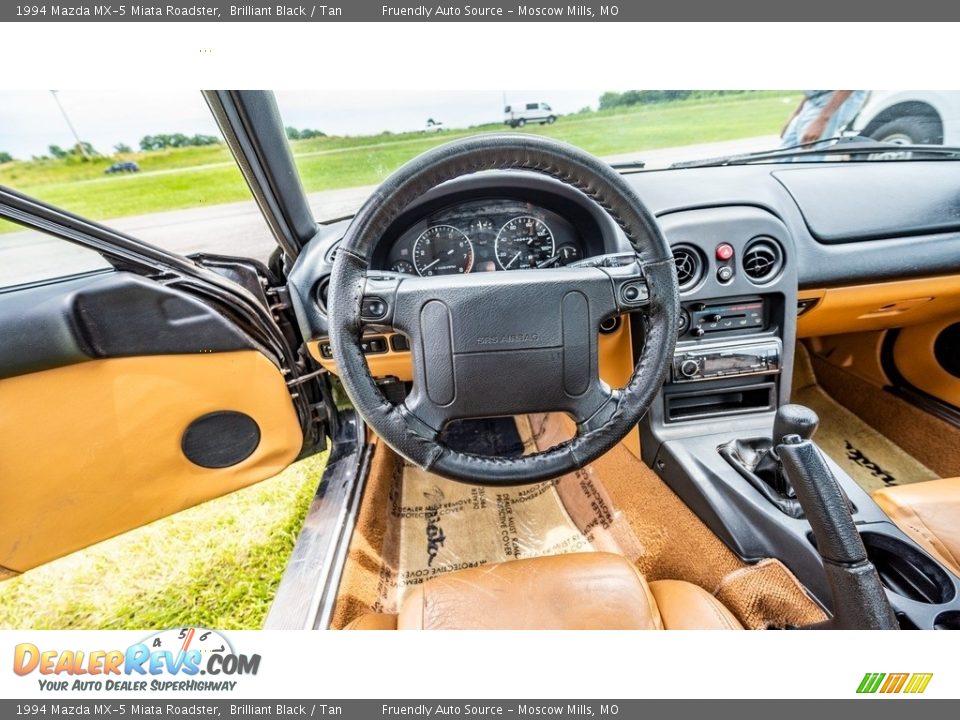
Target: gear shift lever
x,y
756,459
790,420
794,420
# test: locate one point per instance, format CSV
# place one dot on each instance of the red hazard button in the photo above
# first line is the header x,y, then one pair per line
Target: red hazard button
x,y
724,251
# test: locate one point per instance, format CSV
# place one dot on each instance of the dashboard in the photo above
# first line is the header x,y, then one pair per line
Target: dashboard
x,y
483,235
765,216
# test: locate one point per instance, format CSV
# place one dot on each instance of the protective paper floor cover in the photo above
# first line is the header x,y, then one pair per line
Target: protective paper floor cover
x,y
441,526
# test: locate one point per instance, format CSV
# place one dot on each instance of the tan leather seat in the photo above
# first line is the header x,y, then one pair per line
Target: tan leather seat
x,y
585,591
929,512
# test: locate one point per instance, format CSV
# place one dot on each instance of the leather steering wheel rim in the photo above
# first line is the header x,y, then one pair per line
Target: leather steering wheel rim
x,y
418,441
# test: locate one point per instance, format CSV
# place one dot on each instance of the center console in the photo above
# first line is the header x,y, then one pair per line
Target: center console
x,y
708,432
737,323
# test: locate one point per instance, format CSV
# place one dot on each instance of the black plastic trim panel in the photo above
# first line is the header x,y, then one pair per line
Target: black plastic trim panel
x,y
101,316
874,201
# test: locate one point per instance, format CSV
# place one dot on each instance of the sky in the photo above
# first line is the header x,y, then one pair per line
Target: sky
x,y
30,121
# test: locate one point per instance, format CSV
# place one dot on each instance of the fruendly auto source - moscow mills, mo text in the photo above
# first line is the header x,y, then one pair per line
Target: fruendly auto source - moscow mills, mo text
x,y
426,12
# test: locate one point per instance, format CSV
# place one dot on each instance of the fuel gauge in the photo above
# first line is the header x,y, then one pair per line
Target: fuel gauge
x,y
402,266
568,254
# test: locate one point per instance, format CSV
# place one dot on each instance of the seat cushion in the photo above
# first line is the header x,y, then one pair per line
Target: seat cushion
x,y
685,606
373,621
929,512
582,591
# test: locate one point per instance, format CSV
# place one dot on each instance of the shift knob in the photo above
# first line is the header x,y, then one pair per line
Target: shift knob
x,y
794,420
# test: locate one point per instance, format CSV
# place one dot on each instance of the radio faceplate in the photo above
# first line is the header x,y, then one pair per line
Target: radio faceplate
x,y
727,360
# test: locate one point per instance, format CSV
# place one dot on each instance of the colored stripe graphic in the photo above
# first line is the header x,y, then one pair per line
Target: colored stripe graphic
x,y
870,682
913,683
894,683
918,682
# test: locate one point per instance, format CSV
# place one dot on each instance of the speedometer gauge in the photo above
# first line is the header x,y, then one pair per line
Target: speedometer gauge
x,y
524,242
442,250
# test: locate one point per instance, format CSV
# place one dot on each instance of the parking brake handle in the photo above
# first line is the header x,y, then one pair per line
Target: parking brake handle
x,y
859,599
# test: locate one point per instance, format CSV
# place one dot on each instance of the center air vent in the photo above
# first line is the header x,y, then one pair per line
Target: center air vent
x,y
690,266
762,260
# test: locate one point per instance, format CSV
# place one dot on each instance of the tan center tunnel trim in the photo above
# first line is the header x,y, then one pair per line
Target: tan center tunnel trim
x,y
92,450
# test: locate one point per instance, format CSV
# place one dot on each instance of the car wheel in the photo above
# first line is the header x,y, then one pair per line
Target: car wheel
x,y
551,120
910,130
520,123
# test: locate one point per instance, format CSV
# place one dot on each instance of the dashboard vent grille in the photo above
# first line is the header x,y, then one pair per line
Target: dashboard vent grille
x,y
689,266
762,260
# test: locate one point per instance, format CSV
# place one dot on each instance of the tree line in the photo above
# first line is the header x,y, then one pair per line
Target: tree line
x,y
652,97
152,143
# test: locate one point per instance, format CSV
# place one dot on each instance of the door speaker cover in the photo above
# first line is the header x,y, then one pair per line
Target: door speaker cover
x,y
220,439
946,349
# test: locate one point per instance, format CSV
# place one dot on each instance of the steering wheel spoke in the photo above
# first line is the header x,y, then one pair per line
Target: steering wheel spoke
x,y
609,400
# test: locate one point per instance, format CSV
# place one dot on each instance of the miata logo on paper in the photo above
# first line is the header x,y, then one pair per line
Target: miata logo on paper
x,y
911,683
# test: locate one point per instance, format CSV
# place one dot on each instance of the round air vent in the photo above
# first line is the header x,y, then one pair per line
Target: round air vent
x,y
322,288
762,260
690,266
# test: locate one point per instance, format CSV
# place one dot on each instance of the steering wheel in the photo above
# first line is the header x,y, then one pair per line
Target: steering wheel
x,y
504,343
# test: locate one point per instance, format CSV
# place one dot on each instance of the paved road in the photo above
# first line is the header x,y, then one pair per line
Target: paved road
x,y
239,228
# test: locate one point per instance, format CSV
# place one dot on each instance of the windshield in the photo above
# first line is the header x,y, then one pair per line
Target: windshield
x,y
153,163
346,140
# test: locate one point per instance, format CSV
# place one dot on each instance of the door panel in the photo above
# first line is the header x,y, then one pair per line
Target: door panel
x,y
100,380
927,357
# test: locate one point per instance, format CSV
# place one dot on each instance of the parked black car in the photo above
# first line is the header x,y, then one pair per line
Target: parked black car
x,y
123,167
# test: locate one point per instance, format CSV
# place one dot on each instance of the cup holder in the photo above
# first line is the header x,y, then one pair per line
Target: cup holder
x,y
949,620
906,571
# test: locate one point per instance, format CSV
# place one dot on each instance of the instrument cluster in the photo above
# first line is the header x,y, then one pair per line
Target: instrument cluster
x,y
485,236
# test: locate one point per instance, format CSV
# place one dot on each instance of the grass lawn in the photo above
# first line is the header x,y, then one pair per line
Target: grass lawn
x,y
216,565
192,177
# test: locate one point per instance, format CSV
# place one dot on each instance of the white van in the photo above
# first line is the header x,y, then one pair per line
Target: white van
x,y
523,113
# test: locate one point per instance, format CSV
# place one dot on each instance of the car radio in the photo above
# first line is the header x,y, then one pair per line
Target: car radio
x,y
727,317
728,360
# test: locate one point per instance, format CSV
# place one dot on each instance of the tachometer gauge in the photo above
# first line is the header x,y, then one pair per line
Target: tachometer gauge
x,y
402,266
442,250
524,242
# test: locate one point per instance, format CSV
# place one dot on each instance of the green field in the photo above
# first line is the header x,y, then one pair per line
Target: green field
x,y
216,565
191,177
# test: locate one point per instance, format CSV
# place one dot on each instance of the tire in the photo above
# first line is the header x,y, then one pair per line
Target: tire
x,y
520,123
551,120
910,130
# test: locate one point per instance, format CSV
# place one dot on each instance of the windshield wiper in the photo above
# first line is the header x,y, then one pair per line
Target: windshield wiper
x,y
854,146
629,165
